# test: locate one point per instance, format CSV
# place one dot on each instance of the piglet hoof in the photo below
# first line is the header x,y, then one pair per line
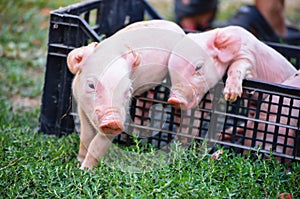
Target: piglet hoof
x,y
80,158
232,93
230,97
88,164
89,169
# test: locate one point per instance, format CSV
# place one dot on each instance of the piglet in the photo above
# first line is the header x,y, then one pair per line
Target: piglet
x,y
271,131
276,137
200,60
108,74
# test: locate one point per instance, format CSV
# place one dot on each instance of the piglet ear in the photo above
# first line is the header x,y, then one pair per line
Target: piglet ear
x,y
77,56
74,60
224,45
133,59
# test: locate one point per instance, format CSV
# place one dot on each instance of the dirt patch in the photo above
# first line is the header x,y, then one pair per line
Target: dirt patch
x,y
25,103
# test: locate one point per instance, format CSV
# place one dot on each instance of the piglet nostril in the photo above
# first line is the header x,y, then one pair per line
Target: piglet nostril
x,y
112,127
173,101
177,103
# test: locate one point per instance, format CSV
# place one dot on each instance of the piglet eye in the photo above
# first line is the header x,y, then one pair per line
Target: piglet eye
x,y
91,85
198,67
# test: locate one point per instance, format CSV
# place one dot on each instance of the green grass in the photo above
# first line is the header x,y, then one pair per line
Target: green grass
x,y
38,166
34,165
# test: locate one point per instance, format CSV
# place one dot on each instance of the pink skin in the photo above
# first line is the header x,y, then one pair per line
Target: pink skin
x,y
293,81
108,74
94,97
231,49
184,92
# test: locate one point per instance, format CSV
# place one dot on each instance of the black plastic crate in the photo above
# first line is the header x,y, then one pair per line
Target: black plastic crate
x,y
215,119
153,119
269,123
72,27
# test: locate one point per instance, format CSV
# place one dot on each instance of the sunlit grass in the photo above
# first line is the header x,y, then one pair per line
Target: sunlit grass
x,y
35,165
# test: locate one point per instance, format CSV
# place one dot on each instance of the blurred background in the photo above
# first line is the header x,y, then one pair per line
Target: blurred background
x,y
228,8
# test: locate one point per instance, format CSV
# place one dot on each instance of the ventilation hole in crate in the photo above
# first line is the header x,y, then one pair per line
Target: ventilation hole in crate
x,y
91,17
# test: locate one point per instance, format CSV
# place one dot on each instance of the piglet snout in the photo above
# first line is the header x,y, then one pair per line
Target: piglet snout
x,y
177,103
112,127
174,102
110,123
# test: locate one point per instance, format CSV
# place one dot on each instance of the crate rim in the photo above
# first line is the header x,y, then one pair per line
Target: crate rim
x,y
74,6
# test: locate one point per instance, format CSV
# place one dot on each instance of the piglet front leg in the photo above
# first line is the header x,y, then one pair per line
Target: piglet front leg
x,y
237,72
87,134
96,150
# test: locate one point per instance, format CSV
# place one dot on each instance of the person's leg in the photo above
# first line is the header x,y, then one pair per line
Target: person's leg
x,y
274,13
197,22
195,14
